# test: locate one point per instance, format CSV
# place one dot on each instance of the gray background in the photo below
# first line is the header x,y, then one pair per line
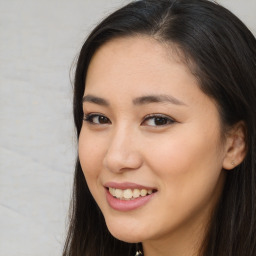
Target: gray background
x,y
38,43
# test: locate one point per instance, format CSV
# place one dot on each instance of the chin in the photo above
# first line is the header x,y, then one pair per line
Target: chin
x,y
128,235
128,238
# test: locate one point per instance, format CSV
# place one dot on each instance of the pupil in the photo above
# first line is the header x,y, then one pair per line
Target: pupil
x,y
160,121
102,120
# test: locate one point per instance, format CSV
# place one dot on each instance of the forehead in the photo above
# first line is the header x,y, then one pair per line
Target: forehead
x,y
140,60
141,48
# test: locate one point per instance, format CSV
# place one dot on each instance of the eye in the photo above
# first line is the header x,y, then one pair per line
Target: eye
x,y
157,120
96,119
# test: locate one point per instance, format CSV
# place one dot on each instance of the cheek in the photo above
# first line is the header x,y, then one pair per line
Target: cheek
x,y
189,175
90,154
187,164
184,149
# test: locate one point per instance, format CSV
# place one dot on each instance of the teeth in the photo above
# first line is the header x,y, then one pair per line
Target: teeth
x,y
129,194
143,192
136,193
118,193
112,191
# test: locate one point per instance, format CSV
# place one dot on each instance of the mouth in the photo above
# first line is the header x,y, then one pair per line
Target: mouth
x,y
130,194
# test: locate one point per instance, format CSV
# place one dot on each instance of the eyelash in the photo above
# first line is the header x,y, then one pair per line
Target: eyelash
x,y
89,118
163,119
167,120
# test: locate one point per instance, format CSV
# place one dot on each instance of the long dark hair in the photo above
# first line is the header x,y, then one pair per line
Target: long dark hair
x,y
221,52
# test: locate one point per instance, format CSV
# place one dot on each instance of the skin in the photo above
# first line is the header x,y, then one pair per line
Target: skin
x,y
182,159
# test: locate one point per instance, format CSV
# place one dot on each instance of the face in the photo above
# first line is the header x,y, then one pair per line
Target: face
x,y
150,146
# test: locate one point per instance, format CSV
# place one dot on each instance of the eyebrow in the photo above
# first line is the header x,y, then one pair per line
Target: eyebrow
x,y
157,98
137,101
96,100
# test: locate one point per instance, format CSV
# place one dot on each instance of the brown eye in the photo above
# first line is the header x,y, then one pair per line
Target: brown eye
x,y
157,120
96,119
102,120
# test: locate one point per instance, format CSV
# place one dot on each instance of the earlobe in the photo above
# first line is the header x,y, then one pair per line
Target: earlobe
x,y
235,146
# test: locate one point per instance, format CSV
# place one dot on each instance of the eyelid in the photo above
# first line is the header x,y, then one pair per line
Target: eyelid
x,y
151,116
87,117
169,120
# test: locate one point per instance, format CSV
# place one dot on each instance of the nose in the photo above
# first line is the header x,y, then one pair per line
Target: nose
x,y
123,153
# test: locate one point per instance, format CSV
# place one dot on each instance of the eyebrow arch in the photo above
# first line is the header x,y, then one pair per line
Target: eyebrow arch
x,y
96,100
137,101
157,98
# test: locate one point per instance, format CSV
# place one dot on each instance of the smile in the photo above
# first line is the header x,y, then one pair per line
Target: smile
x,y
129,194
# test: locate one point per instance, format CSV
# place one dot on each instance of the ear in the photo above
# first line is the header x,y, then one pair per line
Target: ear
x,y
235,146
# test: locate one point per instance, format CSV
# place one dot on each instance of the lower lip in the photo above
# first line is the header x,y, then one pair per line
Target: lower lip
x,y
127,205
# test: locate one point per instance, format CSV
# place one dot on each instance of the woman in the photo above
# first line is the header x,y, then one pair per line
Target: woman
x,y
165,112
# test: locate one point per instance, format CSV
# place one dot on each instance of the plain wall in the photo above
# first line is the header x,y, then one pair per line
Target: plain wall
x,y
38,42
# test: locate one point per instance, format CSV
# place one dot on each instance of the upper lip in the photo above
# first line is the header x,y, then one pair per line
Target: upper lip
x,y
126,185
